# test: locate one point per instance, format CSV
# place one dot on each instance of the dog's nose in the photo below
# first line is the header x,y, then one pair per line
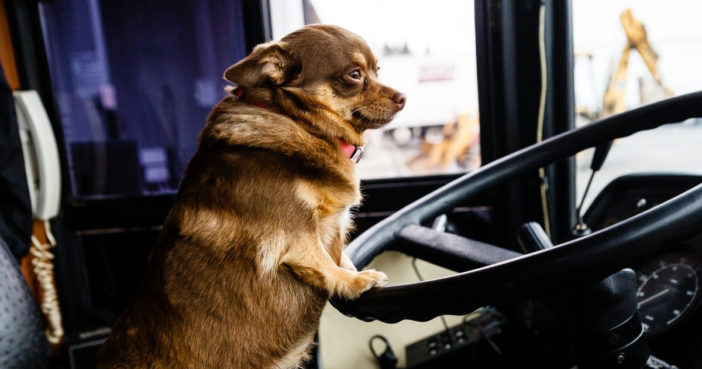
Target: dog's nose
x,y
399,98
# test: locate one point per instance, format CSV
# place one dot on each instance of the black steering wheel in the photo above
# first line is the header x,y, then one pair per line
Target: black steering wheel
x,y
489,274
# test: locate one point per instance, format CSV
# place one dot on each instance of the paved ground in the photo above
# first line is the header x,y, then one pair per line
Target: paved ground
x,y
383,158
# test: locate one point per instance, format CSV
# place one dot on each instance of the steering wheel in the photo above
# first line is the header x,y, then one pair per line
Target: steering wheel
x,y
489,274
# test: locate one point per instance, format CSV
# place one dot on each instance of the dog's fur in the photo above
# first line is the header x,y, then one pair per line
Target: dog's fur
x,y
252,248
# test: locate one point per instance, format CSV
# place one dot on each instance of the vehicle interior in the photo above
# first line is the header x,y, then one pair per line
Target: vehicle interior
x,y
537,205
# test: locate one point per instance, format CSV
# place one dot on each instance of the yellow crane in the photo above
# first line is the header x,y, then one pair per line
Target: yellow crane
x,y
637,39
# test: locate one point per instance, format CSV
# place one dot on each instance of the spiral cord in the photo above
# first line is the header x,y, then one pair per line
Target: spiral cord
x,y
42,262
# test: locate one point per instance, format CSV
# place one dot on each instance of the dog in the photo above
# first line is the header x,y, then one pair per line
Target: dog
x,y
252,248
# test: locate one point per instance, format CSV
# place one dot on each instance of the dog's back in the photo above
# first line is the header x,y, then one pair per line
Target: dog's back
x,y
208,300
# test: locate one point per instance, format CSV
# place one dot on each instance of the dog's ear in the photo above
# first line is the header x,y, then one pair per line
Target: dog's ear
x,y
268,64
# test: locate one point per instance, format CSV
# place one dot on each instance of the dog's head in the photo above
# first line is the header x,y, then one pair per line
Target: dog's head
x,y
322,67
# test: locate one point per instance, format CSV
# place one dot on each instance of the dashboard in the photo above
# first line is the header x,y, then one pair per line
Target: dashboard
x,y
669,286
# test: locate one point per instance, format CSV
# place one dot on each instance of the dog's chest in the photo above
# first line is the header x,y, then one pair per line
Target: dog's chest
x,y
333,230
333,213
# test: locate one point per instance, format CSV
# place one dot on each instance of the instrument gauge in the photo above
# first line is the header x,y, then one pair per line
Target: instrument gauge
x,y
668,289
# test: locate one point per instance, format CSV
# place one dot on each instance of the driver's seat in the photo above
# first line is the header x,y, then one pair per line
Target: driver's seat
x,y
22,341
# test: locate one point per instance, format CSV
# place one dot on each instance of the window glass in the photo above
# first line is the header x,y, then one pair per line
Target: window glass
x,y
134,81
435,66
614,73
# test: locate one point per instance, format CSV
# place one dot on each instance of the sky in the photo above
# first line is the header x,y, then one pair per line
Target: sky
x,y
436,24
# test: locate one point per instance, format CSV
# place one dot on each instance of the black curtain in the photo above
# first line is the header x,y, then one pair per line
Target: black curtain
x,y
15,207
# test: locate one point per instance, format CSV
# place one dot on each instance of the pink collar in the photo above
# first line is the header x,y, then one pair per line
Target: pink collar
x,y
352,152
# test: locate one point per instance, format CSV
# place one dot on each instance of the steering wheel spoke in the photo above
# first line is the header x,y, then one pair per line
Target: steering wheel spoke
x,y
449,250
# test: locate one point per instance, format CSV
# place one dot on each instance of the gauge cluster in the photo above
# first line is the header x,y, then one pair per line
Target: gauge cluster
x,y
668,290
669,287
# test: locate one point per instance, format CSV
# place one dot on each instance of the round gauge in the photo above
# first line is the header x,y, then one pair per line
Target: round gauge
x,y
668,288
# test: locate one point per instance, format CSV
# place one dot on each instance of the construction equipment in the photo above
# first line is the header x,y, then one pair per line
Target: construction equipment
x,y
456,143
637,39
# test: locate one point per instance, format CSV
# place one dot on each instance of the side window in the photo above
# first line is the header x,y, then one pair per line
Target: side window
x,y
134,82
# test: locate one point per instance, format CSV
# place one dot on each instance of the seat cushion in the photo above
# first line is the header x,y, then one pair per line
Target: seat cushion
x,y
22,340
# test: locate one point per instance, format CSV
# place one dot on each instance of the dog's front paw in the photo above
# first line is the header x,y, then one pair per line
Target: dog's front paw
x,y
361,282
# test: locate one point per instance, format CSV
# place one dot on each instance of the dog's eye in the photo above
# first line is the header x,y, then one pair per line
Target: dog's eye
x,y
355,75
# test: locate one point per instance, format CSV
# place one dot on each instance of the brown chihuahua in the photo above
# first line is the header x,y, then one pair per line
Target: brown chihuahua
x,y
252,249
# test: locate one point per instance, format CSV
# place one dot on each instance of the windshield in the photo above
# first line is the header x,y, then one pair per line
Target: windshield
x,y
639,52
